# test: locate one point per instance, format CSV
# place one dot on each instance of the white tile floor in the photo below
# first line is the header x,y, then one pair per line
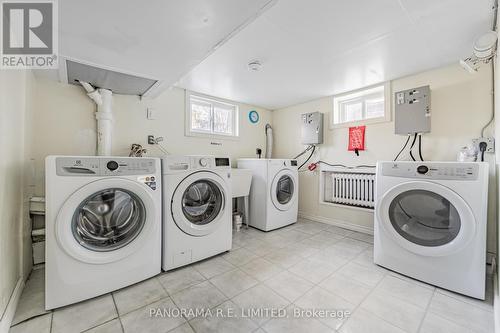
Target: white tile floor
x,y
308,265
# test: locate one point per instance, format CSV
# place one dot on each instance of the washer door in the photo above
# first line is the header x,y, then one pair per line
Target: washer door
x,y
105,221
426,218
283,189
198,203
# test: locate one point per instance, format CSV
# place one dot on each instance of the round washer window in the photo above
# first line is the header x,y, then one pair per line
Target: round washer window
x,y
108,220
202,201
424,218
284,189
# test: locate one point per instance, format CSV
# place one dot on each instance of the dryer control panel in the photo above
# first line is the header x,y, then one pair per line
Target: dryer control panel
x,y
437,171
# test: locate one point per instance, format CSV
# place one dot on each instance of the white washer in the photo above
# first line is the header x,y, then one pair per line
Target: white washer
x,y
430,223
103,225
197,209
274,192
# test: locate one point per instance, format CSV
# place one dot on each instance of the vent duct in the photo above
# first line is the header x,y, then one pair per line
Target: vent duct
x,y
118,83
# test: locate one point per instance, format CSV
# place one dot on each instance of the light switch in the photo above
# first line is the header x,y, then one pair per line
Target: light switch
x,y
400,98
151,114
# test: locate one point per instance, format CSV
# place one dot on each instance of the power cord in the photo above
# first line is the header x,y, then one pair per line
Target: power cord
x,y
308,158
420,147
402,149
412,145
345,166
482,149
304,151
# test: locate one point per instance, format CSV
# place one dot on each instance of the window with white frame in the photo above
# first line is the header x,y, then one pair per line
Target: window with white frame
x,y
208,116
367,105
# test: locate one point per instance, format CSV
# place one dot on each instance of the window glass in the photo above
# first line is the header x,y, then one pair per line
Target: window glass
x,y
209,116
364,104
352,111
223,119
375,108
200,115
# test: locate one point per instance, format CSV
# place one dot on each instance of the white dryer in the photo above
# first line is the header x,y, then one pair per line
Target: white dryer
x,y
197,209
103,225
430,223
274,192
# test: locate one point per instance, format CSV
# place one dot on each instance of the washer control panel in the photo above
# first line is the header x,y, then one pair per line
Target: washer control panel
x,y
181,163
127,166
104,166
424,170
148,180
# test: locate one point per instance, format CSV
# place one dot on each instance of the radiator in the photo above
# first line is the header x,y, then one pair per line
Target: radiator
x,y
353,189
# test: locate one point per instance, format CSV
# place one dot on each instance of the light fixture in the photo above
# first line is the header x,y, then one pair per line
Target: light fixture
x,y
254,65
484,49
484,45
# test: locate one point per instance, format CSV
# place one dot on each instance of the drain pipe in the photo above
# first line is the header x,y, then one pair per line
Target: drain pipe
x,y
269,141
104,116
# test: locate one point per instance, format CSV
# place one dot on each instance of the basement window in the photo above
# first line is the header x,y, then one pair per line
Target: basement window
x,y
210,117
363,106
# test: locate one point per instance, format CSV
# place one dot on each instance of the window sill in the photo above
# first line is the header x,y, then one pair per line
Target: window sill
x,y
212,136
361,123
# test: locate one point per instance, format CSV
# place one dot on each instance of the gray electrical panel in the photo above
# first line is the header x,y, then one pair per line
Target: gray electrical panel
x,y
312,128
413,111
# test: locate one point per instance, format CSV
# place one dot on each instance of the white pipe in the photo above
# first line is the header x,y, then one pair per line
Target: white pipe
x,y
269,141
87,86
104,116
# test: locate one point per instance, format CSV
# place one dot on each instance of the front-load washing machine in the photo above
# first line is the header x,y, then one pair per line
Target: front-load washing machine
x,y
197,209
103,225
430,223
274,192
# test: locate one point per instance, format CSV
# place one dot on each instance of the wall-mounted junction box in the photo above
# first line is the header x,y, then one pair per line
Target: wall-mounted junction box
x,y
490,144
412,111
312,128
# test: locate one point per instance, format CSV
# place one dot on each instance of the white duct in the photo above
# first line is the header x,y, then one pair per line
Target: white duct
x,y
269,141
104,116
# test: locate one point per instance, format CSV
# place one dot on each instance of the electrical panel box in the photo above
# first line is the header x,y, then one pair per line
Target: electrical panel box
x,y
413,111
312,128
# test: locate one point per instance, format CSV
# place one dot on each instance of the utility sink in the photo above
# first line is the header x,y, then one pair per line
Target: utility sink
x,y
241,179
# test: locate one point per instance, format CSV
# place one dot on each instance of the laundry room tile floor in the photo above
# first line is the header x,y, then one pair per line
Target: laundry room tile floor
x,y
306,266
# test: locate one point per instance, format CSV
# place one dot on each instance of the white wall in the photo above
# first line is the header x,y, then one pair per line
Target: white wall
x,y
65,124
497,187
15,251
461,105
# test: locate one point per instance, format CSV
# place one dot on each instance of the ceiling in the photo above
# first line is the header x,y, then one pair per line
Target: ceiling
x,y
308,49
157,39
316,48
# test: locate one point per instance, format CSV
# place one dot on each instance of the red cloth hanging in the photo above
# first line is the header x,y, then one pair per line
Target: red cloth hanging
x,y
356,138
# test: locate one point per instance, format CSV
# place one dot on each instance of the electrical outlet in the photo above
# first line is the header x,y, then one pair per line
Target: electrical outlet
x,y
151,139
490,144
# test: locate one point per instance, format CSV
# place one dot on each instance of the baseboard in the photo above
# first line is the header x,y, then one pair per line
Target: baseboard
x,y
8,315
337,223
